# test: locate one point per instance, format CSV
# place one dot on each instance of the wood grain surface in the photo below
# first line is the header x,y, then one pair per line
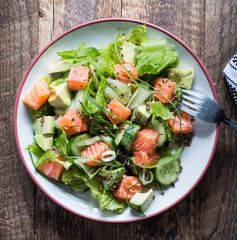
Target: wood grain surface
x,y
209,27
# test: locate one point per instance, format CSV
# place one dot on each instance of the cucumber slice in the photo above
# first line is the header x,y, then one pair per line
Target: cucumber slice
x,y
139,97
118,90
128,137
73,147
161,130
88,142
120,132
109,141
168,173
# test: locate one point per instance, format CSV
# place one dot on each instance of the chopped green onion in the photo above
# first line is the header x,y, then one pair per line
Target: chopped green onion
x,y
108,156
144,174
67,165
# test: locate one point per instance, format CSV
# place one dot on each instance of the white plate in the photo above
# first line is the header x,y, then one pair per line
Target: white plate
x,y
195,159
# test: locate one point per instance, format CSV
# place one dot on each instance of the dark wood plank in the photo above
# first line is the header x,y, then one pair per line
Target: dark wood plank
x,y
57,222
18,46
218,218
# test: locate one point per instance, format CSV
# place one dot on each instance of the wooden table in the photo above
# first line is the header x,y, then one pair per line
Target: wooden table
x,y
209,27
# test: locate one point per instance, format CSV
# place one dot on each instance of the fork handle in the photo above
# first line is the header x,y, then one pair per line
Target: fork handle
x,y
231,123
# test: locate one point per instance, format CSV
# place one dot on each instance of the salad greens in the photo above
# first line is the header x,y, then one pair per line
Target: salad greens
x,y
119,131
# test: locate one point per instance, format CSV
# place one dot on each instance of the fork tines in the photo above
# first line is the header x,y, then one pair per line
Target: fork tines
x,y
192,102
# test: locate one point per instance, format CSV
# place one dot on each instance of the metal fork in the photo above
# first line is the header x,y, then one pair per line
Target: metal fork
x,y
204,108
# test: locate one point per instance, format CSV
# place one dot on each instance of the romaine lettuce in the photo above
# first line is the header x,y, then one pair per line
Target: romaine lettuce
x,y
106,198
74,176
138,35
48,156
154,57
158,109
61,142
35,149
81,56
45,110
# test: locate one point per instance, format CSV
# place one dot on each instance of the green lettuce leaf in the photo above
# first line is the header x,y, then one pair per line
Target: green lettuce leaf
x,y
48,156
108,58
100,96
59,81
104,67
158,109
109,202
47,79
74,176
138,35
45,110
99,125
61,142
35,149
81,56
87,107
154,57
105,198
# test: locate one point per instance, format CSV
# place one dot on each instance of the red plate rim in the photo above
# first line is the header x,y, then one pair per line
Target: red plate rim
x,y
111,20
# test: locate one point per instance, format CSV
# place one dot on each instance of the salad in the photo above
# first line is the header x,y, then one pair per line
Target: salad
x,y
106,120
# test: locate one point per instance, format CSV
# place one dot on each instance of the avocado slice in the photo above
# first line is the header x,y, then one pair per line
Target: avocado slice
x,y
141,201
141,114
60,96
44,125
61,66
182,77
111,177
129,52
44,142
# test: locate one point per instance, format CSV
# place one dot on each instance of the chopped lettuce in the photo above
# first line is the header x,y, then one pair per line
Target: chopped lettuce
x,y
99,125
45,110
82,55
109,202
35,149
106,198
61,142
88,170
74,176
87,107
59,81
108,58
153,58
48,156
138,35
47,79
158,109
104,67
100,95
